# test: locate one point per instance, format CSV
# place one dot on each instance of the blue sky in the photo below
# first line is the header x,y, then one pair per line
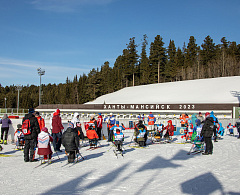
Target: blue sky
x,y
70,37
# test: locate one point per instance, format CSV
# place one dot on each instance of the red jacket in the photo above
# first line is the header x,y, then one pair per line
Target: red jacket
x,y
91,134
170,128
56,123
99,122
40,122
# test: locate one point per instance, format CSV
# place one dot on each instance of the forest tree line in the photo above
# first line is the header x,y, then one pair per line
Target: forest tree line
x,y
160,64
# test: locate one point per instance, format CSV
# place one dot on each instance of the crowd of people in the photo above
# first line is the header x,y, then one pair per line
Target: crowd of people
x,y
33,133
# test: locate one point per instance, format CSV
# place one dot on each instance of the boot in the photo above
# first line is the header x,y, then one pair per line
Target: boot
x,y
1,141
5,142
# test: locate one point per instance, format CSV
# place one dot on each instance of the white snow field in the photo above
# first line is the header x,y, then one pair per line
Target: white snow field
x,y
226,89
156,169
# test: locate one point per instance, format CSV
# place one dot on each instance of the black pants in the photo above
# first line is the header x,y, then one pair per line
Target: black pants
x,y
209,145
71,156
4,130
238,131
99,130
110,135
30,144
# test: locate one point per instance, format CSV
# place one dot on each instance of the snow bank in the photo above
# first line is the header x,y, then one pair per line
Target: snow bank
x,y
214,90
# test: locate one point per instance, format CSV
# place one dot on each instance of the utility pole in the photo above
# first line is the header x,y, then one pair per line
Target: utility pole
x,y
40,73
19,88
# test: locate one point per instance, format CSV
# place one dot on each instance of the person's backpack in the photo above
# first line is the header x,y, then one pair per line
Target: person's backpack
x,y
26,127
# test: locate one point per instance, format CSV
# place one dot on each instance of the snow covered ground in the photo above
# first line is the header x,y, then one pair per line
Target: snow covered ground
x,y
158,169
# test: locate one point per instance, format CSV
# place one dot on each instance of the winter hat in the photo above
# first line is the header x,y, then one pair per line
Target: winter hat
x,y
45,129
31,110
150,112
99,114
207,114
111,114
70,125
58,111
19,126
37,113
117,122
5,116
199,113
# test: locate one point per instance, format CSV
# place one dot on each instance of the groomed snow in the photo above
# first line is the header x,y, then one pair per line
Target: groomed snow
x,y
159,169
214,90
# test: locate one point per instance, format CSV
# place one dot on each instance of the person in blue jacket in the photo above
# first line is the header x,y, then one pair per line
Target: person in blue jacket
x,y
198,127
215,121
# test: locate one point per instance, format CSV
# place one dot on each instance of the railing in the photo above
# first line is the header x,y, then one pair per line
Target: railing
x,y
13,111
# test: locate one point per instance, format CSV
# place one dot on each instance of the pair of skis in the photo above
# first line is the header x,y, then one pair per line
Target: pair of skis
x,y
116,152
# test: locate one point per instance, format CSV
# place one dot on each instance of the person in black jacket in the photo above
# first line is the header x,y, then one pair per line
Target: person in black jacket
x,y
31,140
207,133
70,141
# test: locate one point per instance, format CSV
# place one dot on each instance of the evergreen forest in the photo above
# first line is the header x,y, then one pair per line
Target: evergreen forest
x,y
143,64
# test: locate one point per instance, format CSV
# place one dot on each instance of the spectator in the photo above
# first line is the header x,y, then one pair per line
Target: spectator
x,y
75,119
151,121
5,128
41,121
31,140
99,125
57,131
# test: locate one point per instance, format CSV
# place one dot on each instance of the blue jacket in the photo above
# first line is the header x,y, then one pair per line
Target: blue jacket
x,y
151,115
214,117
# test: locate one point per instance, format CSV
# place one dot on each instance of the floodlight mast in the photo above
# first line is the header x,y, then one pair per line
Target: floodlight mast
x,y
40,73
19,88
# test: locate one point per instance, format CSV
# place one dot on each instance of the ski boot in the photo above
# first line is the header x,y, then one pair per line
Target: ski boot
x,y
1,141
5,142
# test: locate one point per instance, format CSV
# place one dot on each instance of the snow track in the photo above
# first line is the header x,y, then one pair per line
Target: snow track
x,y
161,169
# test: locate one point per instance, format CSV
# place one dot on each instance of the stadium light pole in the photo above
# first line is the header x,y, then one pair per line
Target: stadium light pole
x,y
5,104
19,88
40,73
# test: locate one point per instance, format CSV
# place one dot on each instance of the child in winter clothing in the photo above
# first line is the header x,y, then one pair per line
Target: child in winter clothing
x,y
189,129
44,148
118,139
170,130
197,128
92,136
220,129
41,121
5,128
19,137
70,141
230,128
79,130
141,133
159,131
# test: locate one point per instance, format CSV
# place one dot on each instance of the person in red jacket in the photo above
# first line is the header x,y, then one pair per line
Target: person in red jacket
x,y
99,125
170,130
92,136
41,121
57,131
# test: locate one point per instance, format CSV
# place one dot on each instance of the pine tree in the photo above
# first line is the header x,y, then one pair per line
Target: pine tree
x,y
208,51
157,59
144,63
171,68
